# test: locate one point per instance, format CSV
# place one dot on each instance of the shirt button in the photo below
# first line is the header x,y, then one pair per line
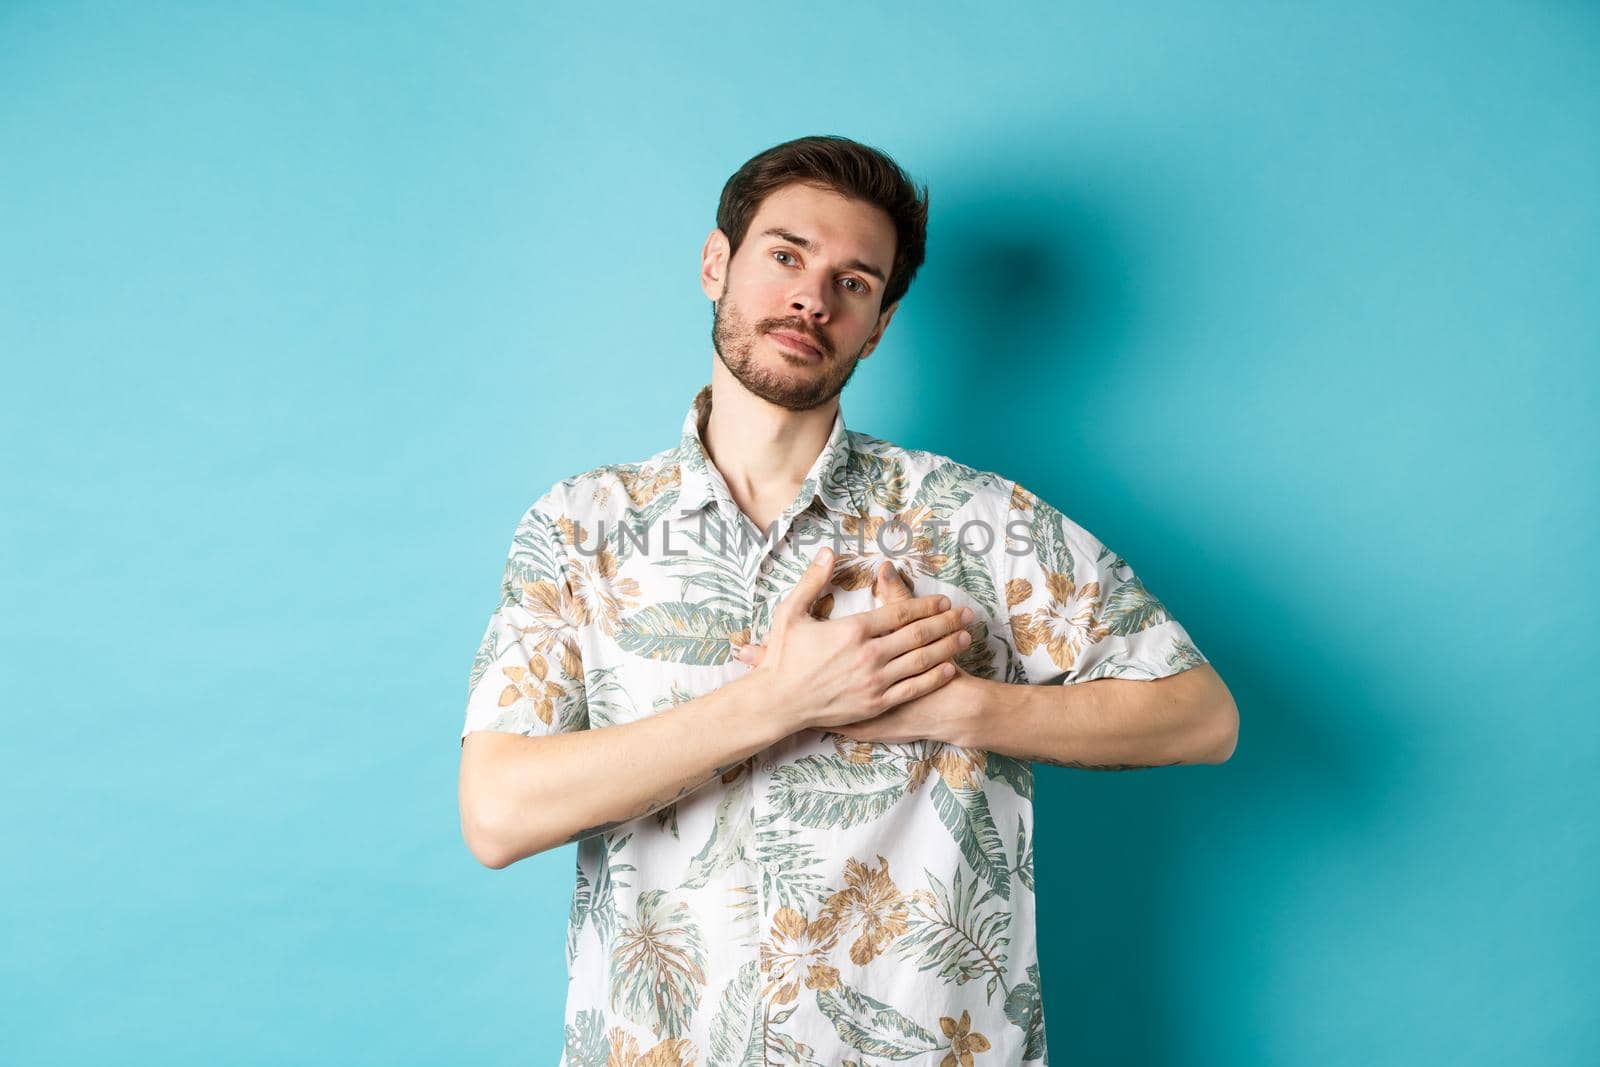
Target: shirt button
x,y
766,768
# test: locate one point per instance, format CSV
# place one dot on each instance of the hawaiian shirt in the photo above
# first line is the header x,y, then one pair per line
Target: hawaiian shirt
x,y
827,901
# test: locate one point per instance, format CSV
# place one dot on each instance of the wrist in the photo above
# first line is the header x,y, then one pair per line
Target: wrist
x,y
976,703
785,709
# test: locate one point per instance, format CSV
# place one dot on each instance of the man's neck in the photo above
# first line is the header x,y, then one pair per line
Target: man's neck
x,y
762,450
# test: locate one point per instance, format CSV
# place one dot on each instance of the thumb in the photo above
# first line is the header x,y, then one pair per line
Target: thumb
x,y
811,584
889,584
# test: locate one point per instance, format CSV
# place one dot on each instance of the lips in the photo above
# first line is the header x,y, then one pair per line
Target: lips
x,y
799,341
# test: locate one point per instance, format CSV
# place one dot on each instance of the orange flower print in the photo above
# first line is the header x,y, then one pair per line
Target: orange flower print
x,y
678,1052
871,903
1068,622
964,1041
1022,499
554,616
961,768
645,485
602,595
853,751
530,683
797,952
913,552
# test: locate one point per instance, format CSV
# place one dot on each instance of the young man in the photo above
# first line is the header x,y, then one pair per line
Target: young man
x,y
799,777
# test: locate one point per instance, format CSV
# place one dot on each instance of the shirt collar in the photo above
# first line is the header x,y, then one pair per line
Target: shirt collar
x,y
700,483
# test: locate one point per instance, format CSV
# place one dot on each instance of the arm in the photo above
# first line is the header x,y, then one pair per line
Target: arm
x,y
522,795
1109,724
1074,607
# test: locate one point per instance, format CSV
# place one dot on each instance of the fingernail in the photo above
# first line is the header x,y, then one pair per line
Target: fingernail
x,y
944,603
822,555
966,614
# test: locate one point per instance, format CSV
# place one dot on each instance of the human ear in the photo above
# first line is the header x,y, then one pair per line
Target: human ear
x,y
877,334
714,264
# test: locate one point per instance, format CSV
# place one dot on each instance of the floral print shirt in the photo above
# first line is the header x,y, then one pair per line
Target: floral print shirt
x,y
826,901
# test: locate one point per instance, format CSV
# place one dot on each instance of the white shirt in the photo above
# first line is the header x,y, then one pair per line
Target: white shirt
x,y
827,901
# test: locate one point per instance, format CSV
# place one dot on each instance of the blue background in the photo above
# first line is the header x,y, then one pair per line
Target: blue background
x,y
1294,306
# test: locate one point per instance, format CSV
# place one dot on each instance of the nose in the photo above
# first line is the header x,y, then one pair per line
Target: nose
x,y
810,299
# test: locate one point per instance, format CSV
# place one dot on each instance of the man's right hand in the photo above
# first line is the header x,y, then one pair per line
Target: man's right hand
x,y
834,671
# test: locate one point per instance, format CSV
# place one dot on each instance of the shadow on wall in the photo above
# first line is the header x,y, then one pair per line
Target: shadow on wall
x,y
1031,310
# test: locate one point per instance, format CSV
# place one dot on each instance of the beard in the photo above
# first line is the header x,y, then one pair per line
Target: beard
x,y
796,384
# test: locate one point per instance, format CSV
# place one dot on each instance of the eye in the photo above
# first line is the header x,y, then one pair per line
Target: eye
x,y
781,252
860,287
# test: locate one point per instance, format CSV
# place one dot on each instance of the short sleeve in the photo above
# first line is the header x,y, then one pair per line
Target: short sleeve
x,y
1076,610
527,677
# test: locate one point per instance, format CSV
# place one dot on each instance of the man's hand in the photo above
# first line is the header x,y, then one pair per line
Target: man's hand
x,y
836,671
937,713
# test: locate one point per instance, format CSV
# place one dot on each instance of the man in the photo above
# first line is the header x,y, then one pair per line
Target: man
x,y
799,778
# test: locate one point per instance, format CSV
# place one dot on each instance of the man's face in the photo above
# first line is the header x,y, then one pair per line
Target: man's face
x,y
812,266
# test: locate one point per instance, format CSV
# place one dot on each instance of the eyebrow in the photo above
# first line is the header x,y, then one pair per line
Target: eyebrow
x,y
796,239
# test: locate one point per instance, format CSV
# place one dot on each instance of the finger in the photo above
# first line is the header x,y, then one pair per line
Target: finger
x,y
927,656
922,632
919,685
897,613
745,651
890,585
812,582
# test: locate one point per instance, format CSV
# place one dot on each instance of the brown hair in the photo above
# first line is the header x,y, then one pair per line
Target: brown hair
x,y
848,168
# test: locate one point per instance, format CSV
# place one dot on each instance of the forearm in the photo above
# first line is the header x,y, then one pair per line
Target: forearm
x,y
1108,723
542,792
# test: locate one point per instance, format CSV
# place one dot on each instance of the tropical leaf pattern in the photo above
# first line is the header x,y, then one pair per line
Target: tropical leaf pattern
x,y
873,1027
826,901
658,965
736,1027
823,791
